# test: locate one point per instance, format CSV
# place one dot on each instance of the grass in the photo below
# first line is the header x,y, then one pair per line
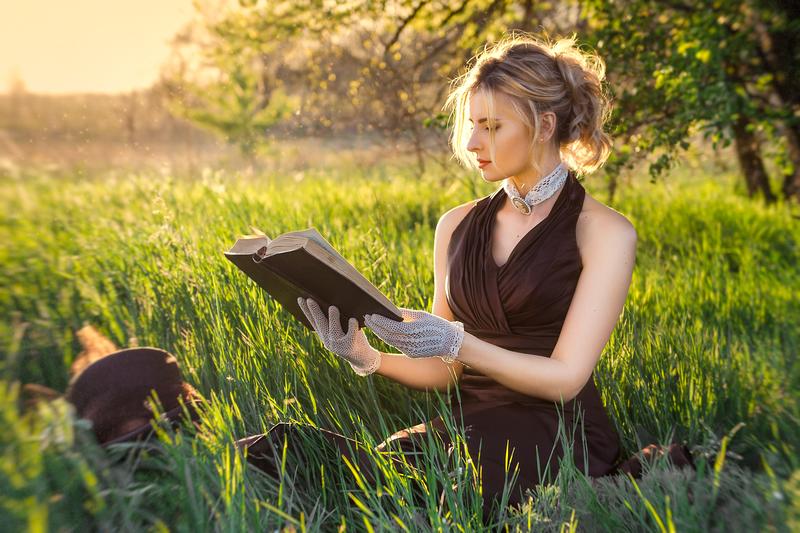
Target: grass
x,y
705,353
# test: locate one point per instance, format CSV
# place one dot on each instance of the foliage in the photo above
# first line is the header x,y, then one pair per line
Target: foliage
x,y
679,67
379,67
720,68
234,90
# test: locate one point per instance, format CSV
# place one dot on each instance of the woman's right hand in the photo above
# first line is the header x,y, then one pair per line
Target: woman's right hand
x,y
352,346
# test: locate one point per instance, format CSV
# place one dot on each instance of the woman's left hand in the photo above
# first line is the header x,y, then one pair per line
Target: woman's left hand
x,y
420,334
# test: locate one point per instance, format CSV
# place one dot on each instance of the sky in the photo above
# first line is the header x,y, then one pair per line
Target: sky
x,y
107,46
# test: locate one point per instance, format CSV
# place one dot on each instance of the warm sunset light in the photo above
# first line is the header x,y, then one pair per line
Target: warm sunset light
x,y
87,45
412,265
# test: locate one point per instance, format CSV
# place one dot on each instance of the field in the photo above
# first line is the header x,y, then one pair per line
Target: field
x,y
705,353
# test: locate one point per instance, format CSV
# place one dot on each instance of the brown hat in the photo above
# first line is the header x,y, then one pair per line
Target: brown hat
x,y
114,392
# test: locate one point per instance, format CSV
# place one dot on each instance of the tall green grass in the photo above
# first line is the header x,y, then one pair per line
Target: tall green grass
x,y
705,353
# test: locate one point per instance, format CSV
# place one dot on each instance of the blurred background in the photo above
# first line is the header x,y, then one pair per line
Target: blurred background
x,y
182,85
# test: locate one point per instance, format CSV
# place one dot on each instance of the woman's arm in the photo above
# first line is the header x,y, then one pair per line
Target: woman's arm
x,y
608,249
431,373
422,374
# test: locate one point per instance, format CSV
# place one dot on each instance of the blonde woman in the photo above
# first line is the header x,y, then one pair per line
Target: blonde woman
x,y
530,281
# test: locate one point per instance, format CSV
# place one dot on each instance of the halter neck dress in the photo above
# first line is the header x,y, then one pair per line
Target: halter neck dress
x,y
521,306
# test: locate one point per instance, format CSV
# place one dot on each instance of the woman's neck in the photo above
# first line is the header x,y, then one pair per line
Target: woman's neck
x,y
527,180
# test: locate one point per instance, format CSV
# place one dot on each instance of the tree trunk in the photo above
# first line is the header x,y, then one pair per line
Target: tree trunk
x,y
785,97
613,182
791,181
748,152
419,149
772,62
526,22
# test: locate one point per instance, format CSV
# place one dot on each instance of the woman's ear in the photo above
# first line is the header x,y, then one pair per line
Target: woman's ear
x,y
548,126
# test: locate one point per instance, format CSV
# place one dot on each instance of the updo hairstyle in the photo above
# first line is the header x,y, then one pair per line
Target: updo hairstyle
x,y
538,76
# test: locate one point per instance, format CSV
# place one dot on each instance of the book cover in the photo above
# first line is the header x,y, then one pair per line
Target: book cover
x,y
311,269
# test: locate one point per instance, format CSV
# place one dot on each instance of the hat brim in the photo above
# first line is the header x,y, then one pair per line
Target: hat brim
x,y
171,417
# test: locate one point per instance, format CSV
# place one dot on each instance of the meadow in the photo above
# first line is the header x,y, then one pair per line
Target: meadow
x,y
705,353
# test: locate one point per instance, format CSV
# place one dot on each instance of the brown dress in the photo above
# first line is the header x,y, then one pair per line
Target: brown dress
x,y
521,306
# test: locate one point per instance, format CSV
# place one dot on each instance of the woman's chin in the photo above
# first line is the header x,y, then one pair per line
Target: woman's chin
x,y
490,177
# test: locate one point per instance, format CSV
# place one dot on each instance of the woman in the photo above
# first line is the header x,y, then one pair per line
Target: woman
x,y
529,281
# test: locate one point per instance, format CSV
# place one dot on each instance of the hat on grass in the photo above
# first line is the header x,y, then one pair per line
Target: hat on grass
x,y
115,393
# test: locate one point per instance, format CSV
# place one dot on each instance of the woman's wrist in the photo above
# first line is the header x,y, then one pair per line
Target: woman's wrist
x,y
372,366
455,346
466,349
376,364
385,359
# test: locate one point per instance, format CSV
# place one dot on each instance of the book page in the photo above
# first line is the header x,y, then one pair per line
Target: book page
x,y
295,239
249,244
314,235
310,233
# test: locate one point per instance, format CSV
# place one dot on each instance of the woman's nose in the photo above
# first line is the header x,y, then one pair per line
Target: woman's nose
x,y
473,145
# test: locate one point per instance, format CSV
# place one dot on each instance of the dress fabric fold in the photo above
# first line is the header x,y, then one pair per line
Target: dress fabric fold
x,y
521,306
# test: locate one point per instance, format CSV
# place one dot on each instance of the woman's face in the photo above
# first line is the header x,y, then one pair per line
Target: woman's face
x,y
511,138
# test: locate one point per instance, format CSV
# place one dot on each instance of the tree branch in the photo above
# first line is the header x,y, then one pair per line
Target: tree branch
x,y
403,23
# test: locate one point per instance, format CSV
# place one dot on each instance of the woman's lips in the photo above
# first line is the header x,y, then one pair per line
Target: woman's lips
x,y
482,163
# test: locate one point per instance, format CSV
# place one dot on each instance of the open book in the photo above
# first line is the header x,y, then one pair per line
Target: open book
x,y
303,263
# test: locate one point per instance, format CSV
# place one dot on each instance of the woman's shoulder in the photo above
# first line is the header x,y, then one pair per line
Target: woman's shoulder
x,y
598,222
450,220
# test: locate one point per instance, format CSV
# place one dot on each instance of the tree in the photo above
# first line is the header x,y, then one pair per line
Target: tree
x,y
234,89
674,67
378,67
776,27
681,66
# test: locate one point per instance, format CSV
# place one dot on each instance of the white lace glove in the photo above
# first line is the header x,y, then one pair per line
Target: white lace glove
x,y
352,346
420,334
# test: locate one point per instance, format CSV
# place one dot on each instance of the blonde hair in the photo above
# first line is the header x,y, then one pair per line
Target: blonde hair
x,y
538,76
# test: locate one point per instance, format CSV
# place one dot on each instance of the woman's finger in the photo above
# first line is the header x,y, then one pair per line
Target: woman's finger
x,y
389,336
373,324
352,326
409,314
334,326
319,317
378,320
304,308
386,325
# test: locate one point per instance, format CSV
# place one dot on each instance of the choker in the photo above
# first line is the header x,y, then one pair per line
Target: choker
x,y
544,189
